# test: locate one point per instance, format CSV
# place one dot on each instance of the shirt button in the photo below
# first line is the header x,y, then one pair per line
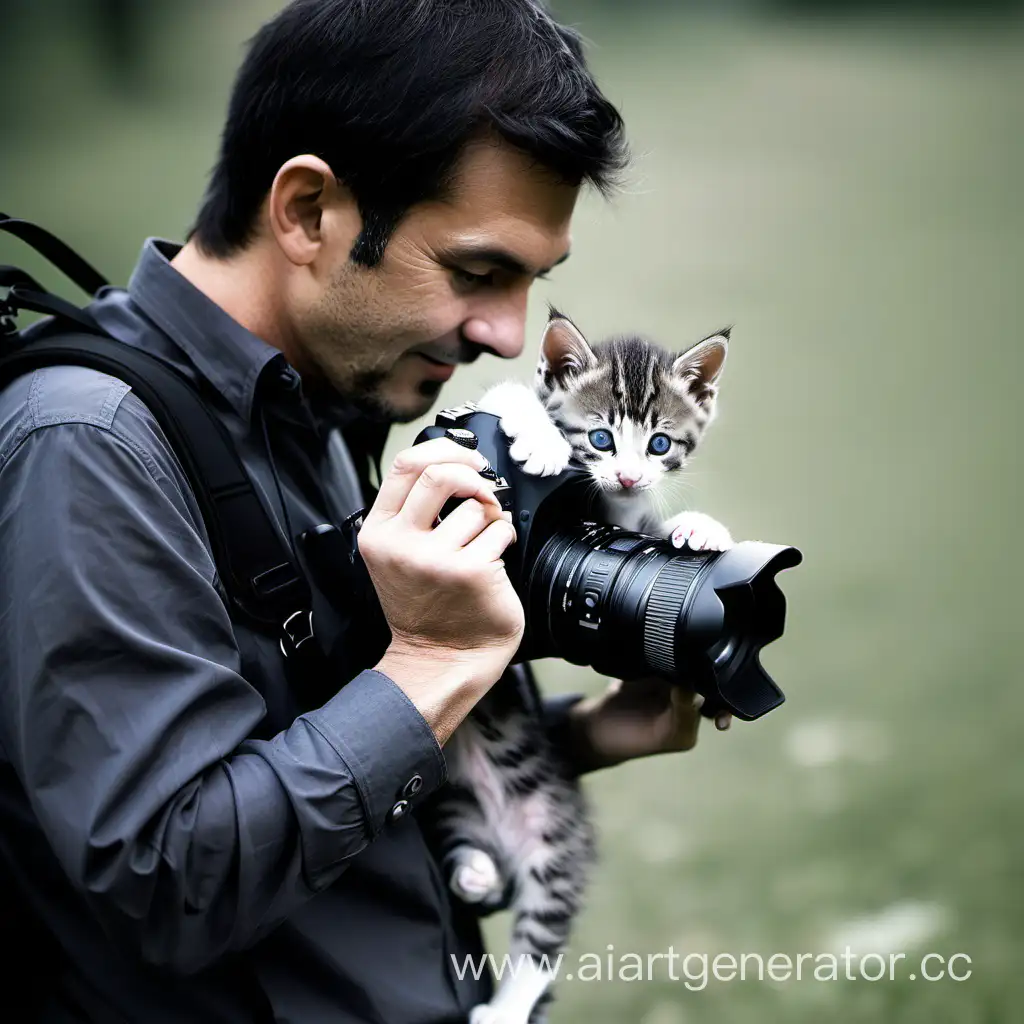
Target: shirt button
x,y
398,810
290,380
413,786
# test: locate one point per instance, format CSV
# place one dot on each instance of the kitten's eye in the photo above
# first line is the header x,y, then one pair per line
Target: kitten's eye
x,y
659,444
602,440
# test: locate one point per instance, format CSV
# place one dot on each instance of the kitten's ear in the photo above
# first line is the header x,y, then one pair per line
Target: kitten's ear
x,y
564,351
700,367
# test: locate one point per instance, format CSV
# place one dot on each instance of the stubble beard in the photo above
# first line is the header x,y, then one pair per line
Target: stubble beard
x,y
365,392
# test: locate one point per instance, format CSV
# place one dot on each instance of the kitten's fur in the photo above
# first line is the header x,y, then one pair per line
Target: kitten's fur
x,y
512,822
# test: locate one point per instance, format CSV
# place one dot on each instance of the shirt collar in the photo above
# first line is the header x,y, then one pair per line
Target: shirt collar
x,y
228,355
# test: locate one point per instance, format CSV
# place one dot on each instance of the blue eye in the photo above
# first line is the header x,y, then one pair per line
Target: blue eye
x,y
602,440
659,444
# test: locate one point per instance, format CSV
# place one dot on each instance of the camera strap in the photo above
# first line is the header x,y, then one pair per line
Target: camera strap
x,y
253,561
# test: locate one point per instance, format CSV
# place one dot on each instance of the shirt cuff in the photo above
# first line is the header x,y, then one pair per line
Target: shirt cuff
x,y
391,751
555,716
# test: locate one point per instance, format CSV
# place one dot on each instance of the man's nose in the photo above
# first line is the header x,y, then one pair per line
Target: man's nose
x,y
501,330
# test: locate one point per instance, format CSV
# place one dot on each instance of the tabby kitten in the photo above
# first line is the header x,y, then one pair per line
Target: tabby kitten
x,y
512,824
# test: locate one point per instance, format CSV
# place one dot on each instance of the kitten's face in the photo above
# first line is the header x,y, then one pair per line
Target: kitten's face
x,y
632,411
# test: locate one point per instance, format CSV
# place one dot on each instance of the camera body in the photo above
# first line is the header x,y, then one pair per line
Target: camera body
x,y
528,498
624,603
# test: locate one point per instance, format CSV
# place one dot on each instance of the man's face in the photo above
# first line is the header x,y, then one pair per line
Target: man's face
x,y
453,283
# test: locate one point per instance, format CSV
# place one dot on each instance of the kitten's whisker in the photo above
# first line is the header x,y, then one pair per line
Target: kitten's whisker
x,y
677,491
660,502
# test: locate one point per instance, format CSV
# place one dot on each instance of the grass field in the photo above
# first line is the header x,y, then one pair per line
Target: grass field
x,y
848,195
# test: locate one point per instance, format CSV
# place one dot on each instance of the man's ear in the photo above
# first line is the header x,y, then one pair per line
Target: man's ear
x,y
564,351
308,209
699,367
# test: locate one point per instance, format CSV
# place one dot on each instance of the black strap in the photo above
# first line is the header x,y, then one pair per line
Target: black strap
x,y
254,564
253,561
25,293
62,256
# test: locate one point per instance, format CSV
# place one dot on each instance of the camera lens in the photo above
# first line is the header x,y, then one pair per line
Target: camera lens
x,y
630,605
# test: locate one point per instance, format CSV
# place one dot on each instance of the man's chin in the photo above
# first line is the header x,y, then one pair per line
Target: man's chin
x,y
379,399
412,407
403,407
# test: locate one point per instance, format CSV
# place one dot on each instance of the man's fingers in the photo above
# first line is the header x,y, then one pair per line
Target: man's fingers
x,y
466,521
492,541
435,485
407,467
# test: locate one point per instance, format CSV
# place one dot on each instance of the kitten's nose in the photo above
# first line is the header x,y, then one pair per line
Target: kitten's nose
x,y
627,479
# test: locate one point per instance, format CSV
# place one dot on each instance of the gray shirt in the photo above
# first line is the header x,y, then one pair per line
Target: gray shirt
x,y
200,845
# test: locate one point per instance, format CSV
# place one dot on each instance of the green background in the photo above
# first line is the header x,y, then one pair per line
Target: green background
x,y
847,193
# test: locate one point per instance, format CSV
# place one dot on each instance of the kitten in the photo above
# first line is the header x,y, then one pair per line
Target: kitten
x,y
628,411
512,825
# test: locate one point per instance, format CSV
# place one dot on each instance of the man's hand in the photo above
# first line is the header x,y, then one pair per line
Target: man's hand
x,y
636,718
455,619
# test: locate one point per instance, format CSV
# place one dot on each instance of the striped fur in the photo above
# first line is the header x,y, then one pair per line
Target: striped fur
x,y
635,389
512,828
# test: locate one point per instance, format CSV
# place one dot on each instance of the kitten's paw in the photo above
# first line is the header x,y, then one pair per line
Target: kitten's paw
x,y
475,877
485,1013
535,442
541,453
699,532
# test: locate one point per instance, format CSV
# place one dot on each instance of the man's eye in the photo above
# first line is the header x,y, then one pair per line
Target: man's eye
x,y
602,440
659,444
474,280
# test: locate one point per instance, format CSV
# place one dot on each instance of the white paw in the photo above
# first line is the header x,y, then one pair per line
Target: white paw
x,y
699,532
539,447
485,1013
537,444
476,877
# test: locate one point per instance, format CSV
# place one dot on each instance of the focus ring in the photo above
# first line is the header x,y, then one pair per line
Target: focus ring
x,y
662,614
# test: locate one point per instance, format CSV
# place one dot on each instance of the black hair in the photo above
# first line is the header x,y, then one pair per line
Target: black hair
x,y
389,92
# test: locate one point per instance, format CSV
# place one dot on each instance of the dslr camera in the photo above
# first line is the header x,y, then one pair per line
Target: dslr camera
x,y
625,604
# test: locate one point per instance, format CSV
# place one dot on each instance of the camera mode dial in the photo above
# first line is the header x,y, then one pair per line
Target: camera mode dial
x,y
463,437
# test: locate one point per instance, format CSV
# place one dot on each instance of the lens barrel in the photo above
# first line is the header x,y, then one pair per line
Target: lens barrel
x,y
630,605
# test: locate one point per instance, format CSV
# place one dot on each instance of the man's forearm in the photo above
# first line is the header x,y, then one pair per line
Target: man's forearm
x,y
636,718
442,686
567,732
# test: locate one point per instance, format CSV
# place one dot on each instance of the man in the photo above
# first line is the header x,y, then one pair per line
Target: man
x,y
198,841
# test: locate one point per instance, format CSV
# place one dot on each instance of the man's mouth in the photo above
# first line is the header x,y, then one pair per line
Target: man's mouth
x,y
436,369
439,362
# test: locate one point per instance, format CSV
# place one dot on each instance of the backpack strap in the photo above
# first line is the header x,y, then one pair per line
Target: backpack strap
x,y
24,292
62,256
253,560
254,564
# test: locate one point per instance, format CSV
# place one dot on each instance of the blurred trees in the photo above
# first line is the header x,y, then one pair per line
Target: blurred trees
x,y
579,9
118,36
